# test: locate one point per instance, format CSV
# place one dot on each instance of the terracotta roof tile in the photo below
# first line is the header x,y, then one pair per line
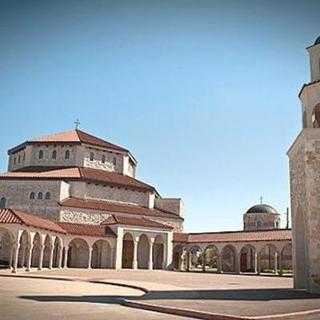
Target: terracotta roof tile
x,y
234,236
80,173
141,222
92,230
117,207
28,219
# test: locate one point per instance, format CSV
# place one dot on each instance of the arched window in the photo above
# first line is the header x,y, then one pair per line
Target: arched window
x,y
114,161
3,202
40,195
14,160
67,155
259,224
19,158
54,154
48,195
32,195
103,159
41,154
91,156
23,156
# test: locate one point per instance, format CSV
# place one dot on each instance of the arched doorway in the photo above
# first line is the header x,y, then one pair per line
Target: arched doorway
x,y
228,259
57,247
23,249
211,259
6,246
286,259
268,259
47,251
101,254
127,251
78,253
177,257
247,259
36,249
143,252
158,252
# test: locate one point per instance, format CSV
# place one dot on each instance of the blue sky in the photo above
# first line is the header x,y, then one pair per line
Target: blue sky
x,y
204,93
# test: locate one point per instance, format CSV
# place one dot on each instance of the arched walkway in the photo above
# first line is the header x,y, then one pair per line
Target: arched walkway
x,y
127,251
268,259
57,254
177,257
143,252
194,258
101,254
36,250
47,251
158,252
78,253
23,249
247,259
228,259
6,247
286,259
211,259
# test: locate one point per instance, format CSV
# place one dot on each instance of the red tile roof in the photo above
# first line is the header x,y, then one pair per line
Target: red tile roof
x,y
234,236
117,207
28,219
92,230
72,136
141,222
80,173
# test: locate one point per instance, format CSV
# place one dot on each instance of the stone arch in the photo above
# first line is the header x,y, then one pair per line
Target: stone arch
x,y
195,258
247,258
57,250
211,258
24,244
78,253
228,258
267,257
101,254
6,247
143,252
36,250
316,116
177,257
286,258
127,251
47,251
158,252
3,203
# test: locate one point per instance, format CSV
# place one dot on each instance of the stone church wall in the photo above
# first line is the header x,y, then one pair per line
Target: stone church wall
x,y
17,193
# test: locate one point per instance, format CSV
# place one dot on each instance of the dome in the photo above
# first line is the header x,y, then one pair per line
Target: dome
x,y
317,41
262,208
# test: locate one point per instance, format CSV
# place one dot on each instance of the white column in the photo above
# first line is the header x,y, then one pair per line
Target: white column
x,y
90,257
237,262
29,258
276,262
60,257
118,250
41,257
219,264
15,257
65,262
51,256
151,242
135,253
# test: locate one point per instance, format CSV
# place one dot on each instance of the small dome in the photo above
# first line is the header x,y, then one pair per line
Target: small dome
x,y
262,208
317,41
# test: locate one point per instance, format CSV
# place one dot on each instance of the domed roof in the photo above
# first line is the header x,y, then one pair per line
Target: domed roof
x,y
317,41
262,208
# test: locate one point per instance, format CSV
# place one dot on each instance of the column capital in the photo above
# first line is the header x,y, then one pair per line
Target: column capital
x,y
152,240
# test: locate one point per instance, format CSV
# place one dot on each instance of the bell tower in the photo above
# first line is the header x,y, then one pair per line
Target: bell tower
x,y
304,166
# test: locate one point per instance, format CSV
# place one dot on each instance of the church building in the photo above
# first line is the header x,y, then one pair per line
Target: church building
x,y
304,163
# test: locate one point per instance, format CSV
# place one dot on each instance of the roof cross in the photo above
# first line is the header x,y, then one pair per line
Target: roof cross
x,y
261,199
77,123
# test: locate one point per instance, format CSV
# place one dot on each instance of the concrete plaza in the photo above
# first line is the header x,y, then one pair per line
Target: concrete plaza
x,y
218,294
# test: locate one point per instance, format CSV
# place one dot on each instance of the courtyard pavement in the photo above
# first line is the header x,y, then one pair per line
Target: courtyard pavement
x,y
207,294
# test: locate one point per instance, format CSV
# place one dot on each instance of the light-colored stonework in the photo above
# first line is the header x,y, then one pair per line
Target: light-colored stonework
x,y
304,163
